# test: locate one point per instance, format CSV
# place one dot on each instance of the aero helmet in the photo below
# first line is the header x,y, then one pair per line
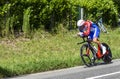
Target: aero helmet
x,y
80,22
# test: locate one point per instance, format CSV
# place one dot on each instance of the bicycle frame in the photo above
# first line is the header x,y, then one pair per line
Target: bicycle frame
x,y
91,46
89,54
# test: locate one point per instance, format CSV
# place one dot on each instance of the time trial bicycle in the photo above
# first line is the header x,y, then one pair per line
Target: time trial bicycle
x,y
89,54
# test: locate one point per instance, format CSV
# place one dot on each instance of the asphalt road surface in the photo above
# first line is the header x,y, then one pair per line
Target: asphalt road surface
x,y
101,71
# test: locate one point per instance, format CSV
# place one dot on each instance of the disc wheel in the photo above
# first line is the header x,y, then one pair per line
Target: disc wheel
x,y
107,58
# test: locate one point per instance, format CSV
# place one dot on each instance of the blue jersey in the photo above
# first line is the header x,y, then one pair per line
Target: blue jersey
x,y
94,31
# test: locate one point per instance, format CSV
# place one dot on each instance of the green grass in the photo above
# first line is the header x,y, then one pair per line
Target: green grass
x,y
47,52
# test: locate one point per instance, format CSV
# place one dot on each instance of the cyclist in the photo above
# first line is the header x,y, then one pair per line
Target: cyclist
x,y
92,31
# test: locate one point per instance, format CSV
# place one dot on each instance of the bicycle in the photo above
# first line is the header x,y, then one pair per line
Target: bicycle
x,y
89,55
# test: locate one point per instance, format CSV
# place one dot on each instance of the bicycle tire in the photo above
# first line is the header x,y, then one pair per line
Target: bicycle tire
x,y
88,59
107,58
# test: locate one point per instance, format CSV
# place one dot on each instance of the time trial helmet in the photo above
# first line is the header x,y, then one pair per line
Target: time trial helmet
x,y
80,23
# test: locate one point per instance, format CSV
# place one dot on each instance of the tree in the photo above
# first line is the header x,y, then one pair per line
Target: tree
x,y
50,14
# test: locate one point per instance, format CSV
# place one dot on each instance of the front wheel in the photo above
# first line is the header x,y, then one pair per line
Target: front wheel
x,y
107,58
87,55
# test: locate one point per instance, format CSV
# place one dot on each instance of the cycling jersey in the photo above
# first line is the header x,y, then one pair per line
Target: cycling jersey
x,y
91,30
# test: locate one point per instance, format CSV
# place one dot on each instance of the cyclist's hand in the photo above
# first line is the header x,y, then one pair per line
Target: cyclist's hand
x,y
75,36
80,34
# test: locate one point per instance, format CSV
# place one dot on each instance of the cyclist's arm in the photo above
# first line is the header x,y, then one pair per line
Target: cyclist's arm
x,y
87,31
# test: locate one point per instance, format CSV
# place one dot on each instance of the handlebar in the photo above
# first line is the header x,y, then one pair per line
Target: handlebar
x,y
84,40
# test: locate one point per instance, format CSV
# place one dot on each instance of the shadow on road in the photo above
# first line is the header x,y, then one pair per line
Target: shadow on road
x,y
98,64
103,63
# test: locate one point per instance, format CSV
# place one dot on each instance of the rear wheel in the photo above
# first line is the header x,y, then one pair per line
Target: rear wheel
x,y
87,55
107,58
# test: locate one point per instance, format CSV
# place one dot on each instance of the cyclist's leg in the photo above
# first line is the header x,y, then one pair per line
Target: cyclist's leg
x,y
95,40
101,48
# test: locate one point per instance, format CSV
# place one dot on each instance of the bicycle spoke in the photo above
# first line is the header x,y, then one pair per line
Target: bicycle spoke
x,y
87,56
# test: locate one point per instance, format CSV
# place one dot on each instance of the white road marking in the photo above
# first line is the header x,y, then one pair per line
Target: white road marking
x,y
104,75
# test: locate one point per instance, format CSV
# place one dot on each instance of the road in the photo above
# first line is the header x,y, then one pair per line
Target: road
x,y
102,71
